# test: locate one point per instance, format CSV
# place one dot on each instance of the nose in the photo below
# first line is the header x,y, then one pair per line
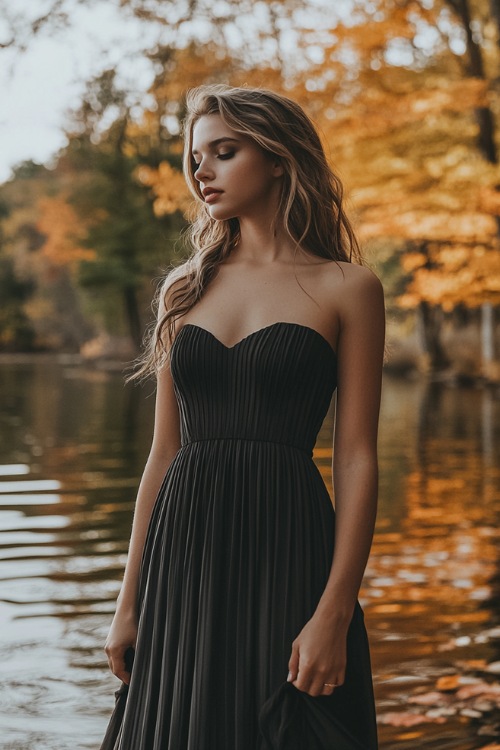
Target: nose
x,y
203,172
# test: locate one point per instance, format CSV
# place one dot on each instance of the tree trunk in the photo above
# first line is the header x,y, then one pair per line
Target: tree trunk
x,y
484,115
133,317
487,335
495,12
430,321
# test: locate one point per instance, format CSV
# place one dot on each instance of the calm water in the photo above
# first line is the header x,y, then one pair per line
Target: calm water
x,y
73,445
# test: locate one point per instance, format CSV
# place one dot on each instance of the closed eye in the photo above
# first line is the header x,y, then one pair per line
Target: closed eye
x,y
224,157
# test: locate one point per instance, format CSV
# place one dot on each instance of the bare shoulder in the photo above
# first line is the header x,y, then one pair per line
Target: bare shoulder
x,y
355,297
352,286
352,275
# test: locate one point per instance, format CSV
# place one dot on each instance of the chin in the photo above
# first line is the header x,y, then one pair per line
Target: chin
x,y
220,214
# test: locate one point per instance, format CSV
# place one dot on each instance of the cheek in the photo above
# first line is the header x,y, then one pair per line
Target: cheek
x,y
251,176
248,168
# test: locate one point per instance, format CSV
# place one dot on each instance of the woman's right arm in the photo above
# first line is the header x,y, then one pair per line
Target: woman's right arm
x,y
166,442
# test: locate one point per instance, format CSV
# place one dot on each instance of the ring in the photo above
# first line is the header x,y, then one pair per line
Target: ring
x,y
330,684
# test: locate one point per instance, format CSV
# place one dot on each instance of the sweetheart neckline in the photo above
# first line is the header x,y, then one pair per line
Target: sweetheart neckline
x,y
257,331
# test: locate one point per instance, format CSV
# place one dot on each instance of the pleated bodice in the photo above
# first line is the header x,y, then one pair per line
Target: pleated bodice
x,y
275,385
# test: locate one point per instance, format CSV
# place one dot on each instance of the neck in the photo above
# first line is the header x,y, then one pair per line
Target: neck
x,y
260,242
263,238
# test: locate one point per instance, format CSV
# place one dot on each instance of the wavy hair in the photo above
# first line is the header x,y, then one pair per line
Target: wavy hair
x,y
310,205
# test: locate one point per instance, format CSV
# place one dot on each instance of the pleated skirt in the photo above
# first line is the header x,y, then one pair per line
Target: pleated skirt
x,y
238,552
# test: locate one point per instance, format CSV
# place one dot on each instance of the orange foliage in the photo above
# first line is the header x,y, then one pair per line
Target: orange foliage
x,y
396,22
169,187
189,66
60,225
458,274
378,111
422,225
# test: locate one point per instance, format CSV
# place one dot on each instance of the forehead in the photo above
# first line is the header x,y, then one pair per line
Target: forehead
x,y
211,128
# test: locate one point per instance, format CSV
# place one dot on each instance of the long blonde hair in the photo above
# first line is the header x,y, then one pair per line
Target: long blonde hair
x,y
310,205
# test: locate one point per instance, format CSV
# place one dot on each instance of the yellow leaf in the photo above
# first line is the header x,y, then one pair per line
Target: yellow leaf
x,y
449,682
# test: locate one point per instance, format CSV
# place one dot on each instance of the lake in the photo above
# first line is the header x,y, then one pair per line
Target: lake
x,y
73,443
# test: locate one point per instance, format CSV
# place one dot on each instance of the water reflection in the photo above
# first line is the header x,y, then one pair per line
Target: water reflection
x,y
72,447
431,578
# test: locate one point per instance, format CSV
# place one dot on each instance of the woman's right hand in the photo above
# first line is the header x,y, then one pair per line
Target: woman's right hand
x,y
122,635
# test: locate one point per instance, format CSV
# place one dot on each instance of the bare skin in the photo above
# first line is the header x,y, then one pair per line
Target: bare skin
x,y
255,287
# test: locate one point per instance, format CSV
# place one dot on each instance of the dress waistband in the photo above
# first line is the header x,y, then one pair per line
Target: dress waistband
x,y
248,439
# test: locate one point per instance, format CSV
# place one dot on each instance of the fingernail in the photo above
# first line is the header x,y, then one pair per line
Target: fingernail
x,y
289,677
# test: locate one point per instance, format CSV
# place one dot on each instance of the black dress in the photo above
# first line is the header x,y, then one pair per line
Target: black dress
x,y
237,555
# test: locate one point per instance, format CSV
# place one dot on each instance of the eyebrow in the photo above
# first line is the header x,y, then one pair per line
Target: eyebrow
x,y
217,142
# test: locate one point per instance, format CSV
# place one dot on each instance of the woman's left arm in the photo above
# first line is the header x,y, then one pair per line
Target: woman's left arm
x,y
319,651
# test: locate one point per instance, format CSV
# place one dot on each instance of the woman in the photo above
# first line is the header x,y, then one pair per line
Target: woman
x,y
245,626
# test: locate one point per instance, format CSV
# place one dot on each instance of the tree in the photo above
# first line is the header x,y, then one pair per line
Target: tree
x,y
416,143
15,326
126,239
38,263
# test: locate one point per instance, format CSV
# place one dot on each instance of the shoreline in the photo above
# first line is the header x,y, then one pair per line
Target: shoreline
x,y
451,377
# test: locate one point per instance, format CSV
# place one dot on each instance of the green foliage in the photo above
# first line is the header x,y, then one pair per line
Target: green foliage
x,y
122,228
15,328
128,241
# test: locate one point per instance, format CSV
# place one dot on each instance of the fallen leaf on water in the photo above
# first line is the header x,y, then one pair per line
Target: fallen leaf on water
x,y
386,609
441,711
472,663
409,736
485,706
484,689
471,713
427,699
449,682
492,632
406,719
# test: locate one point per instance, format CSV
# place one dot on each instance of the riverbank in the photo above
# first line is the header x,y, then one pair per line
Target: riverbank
x,y
403,361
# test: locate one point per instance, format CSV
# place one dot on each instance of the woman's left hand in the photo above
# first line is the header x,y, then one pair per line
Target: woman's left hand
x,y
319,656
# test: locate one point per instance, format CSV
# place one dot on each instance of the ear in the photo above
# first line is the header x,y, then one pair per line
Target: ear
x,y
277,169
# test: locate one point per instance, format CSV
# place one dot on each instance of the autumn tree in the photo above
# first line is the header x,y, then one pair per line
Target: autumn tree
x,y
128,243
40,301
15,326
411,124
458,262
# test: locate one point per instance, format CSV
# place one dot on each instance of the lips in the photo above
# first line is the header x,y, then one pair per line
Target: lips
x,y
210,194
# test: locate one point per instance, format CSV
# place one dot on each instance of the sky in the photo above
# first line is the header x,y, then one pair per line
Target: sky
x,y
40,85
